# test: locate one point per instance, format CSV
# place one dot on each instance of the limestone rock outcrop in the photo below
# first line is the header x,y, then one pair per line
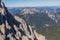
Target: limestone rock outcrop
x,y
15,28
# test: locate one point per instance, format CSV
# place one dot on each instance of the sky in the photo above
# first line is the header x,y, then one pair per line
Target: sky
x,y
31,3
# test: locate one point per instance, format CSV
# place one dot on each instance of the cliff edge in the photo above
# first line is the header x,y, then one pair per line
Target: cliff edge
x,y
15,28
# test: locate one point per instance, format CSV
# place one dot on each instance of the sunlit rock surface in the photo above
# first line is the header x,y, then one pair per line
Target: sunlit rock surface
x,y
15,28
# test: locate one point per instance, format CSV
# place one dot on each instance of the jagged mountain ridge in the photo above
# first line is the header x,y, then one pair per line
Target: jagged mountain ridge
x,y
15,28
52,12
36,17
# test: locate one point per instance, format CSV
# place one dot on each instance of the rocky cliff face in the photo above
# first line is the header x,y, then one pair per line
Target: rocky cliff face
x,y
15,28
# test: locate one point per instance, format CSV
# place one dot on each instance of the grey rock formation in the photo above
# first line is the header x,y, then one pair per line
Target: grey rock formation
x,y
15,28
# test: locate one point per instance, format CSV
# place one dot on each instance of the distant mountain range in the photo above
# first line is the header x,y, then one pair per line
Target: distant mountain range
x,y
15,28
46,20
38,15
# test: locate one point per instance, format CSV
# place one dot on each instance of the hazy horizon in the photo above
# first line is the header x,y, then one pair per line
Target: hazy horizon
x,y
31,3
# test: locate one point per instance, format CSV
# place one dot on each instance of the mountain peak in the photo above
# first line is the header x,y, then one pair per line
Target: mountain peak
x,y
2,6
15,28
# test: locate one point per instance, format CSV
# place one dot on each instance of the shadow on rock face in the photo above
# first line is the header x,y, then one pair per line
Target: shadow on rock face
x,y
12,29
10,20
